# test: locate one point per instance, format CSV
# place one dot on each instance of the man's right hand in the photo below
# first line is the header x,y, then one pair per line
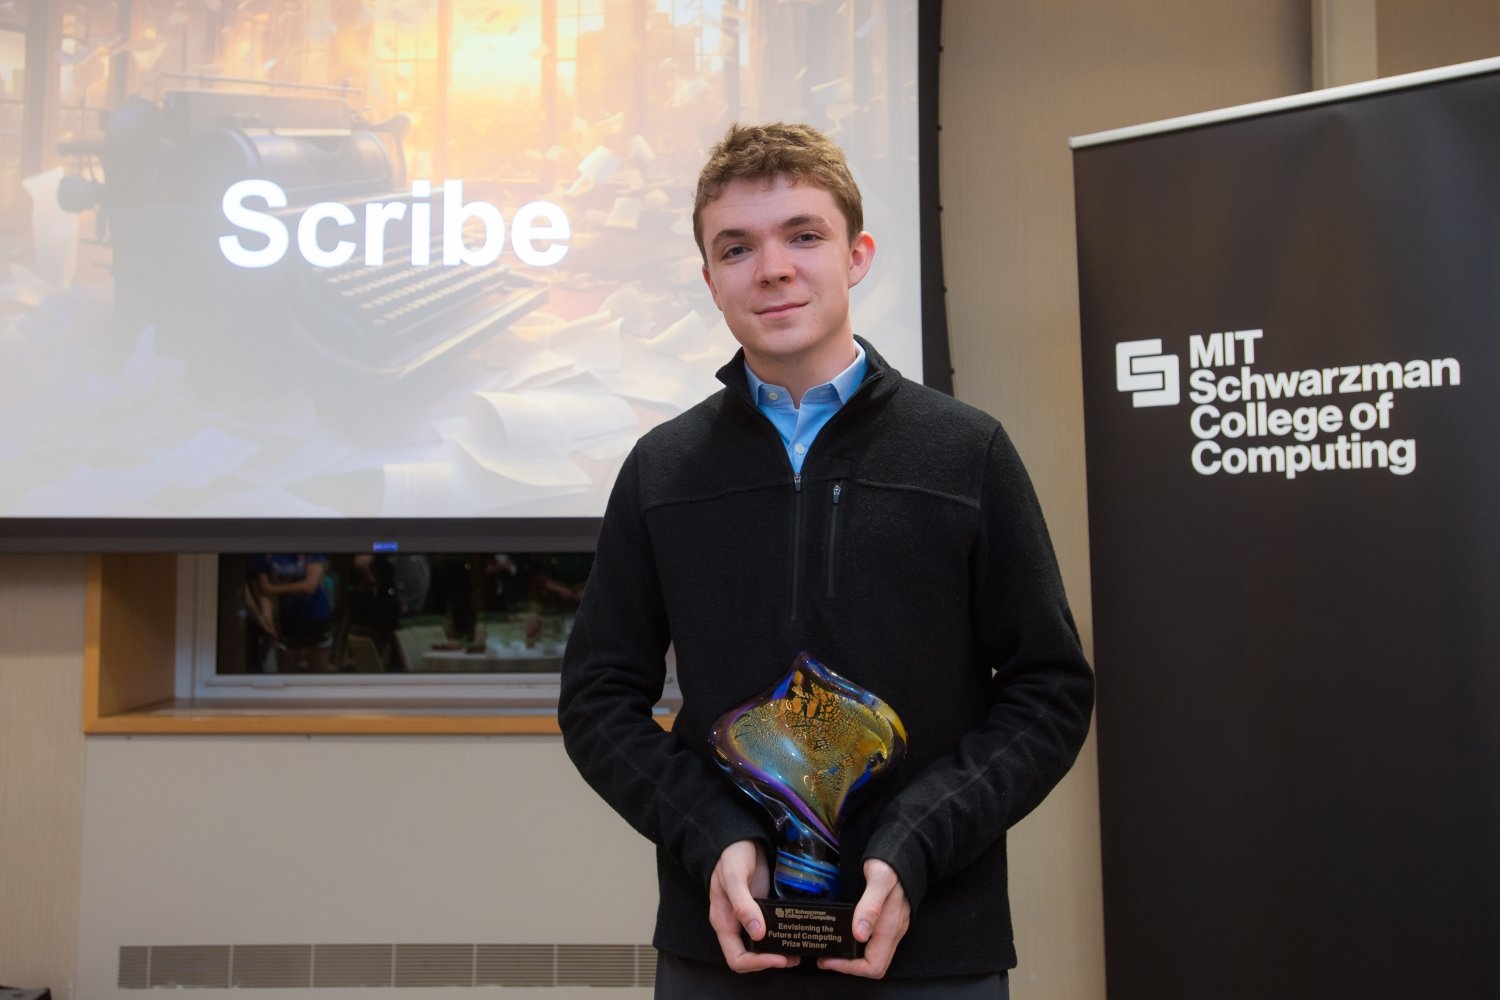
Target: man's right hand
x,y
740,876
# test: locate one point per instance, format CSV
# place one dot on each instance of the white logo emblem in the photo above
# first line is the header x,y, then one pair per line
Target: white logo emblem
x,y
1141,368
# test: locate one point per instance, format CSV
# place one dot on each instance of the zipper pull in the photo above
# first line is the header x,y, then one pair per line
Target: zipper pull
x,y
797,482
838,489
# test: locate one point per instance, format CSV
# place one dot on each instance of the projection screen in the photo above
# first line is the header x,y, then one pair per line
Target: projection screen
x,y
415,270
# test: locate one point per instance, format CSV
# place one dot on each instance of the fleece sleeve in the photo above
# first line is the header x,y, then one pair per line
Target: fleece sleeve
x,y
1041,696
613,673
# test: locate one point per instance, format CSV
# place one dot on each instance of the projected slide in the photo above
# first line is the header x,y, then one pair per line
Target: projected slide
x,y
398,258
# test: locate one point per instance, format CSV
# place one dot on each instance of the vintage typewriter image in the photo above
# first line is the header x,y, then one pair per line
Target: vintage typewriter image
x,y
341,258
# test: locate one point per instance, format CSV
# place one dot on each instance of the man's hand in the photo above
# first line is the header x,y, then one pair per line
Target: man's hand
x,y
740,876
880,921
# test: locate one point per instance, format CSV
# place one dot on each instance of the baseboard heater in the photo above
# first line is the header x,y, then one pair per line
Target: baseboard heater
x,y
314,966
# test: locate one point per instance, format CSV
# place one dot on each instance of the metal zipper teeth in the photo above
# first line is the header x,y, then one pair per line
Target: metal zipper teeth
x,y
796,541
833,535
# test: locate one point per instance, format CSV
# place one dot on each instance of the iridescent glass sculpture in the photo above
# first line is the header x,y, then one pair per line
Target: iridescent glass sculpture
x,y
804,750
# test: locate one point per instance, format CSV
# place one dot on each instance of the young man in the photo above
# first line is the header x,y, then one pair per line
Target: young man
x,y
821,502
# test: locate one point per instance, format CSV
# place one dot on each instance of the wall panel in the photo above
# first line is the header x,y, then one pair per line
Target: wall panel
x,y
41,768
1424,34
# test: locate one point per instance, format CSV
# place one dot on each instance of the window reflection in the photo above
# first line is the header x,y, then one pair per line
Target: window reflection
x,y
505,612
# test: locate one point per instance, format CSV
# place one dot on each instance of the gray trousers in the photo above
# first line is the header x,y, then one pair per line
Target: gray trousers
x,y
682,979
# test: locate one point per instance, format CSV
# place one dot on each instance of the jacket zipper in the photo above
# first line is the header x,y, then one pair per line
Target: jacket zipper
x,y
796,539
797,489
833,536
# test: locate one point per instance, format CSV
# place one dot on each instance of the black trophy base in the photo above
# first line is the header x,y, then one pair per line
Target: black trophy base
x,y
802,927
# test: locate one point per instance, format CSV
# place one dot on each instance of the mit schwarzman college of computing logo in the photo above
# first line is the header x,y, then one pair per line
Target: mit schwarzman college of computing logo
x,y
1283,423
1141,368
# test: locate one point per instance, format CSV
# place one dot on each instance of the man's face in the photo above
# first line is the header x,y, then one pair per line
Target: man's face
x,y
780,266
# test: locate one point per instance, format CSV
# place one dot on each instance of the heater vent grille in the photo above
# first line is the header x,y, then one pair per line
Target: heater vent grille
x,y
299,966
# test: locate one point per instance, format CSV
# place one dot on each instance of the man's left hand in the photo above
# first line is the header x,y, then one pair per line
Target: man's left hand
x,y
880,921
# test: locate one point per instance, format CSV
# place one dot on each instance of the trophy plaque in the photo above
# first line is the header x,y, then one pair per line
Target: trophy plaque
x,y
803,749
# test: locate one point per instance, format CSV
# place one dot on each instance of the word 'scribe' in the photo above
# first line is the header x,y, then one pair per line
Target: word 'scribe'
x,y
539,230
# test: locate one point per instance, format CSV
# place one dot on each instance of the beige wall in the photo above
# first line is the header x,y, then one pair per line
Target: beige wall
x,y
41,767
1017,80
1420,34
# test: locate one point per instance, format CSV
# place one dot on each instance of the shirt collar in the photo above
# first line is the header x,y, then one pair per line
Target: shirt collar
x,y
844,384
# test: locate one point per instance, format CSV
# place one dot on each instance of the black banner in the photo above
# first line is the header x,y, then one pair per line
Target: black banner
x,y
1291,333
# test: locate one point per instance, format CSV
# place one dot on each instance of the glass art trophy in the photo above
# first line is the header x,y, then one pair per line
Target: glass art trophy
x,y
803,749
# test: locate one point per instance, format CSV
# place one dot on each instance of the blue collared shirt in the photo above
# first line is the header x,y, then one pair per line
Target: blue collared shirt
x,y
798,425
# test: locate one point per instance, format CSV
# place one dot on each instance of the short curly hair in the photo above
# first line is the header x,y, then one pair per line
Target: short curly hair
x,y
766,152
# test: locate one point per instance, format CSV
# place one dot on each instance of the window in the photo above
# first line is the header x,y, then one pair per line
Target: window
x,y
466,632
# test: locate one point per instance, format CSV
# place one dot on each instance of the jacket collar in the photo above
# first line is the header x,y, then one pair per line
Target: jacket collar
x,y
880,378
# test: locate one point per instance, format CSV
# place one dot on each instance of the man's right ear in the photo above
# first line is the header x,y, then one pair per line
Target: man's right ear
x,y
709,281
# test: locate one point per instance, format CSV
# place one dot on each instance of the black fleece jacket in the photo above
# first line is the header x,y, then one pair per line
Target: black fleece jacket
x,y
911,557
